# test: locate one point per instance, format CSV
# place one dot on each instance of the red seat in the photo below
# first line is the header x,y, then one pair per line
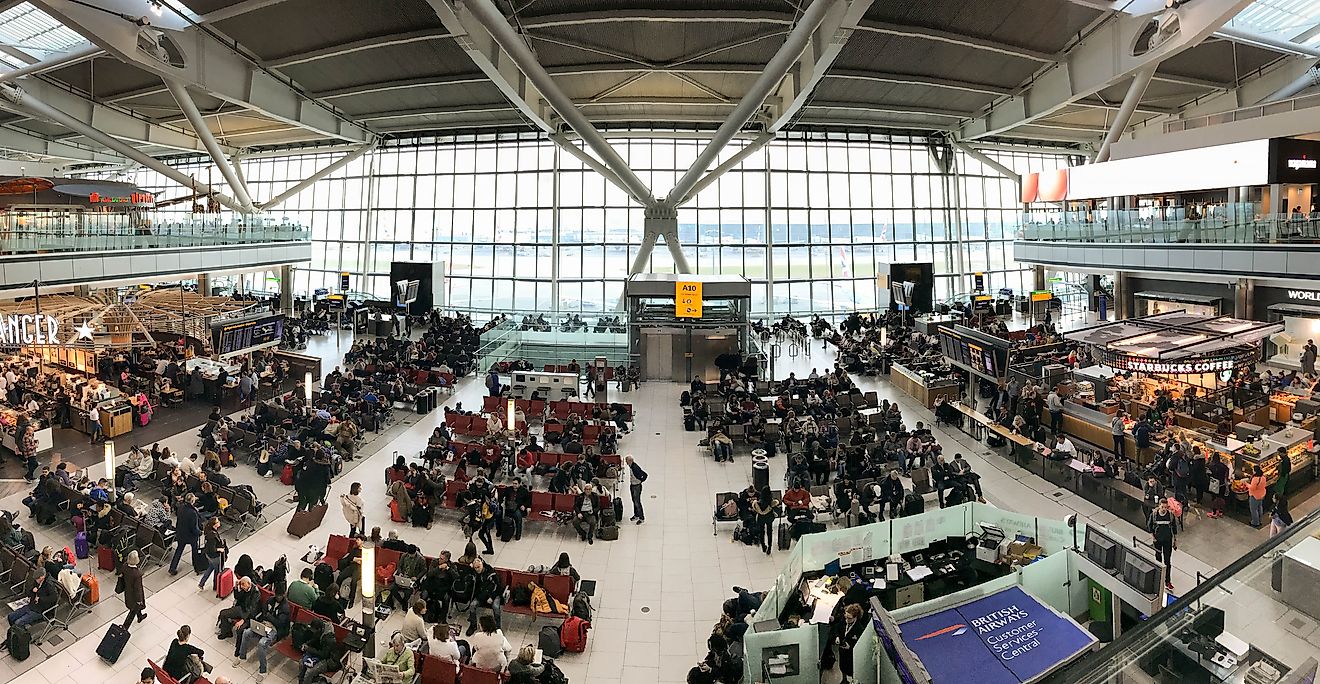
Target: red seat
x,y
386,556
563,502
476,675
542,501
490,404
547,458
548,368
452,488
437,671
164,677
336,548
520,579
560,587
504,575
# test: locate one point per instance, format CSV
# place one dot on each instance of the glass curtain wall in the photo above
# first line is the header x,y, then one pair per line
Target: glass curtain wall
x,y
521,225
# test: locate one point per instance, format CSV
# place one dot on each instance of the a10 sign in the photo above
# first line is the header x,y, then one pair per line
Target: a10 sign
x,y
687,299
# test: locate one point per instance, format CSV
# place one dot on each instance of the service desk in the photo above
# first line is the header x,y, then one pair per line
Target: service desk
x,y
921,389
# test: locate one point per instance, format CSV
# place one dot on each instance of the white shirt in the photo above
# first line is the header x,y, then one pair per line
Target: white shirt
x,y
444,650
94,415
490,651
1066,446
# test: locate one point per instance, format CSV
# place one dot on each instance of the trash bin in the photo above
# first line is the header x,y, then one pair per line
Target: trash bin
x,y
760,472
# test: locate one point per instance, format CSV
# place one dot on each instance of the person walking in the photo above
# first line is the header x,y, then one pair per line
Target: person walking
x,y
215,550
636,476
135,598
187,530
764,518
1280,518
353,506
1163,527
1256,495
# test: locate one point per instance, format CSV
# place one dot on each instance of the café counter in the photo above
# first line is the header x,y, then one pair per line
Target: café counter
x,y
923,388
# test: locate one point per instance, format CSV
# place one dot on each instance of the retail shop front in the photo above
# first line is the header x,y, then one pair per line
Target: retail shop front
x,y
1298,309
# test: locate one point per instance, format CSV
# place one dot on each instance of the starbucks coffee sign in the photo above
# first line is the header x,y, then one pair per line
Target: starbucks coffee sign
x,y
17,330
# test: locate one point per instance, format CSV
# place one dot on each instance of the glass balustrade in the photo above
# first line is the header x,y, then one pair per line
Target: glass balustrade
x,y
1253,621
1229,224
45,233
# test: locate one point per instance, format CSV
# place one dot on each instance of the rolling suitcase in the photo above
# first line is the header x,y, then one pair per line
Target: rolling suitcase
x,y
306,521
689,422
225,584
286,475
199,562
112,644
105,558
80,547
785,538
618,509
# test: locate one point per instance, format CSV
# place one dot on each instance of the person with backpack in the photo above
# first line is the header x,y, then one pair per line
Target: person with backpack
x,y
636,476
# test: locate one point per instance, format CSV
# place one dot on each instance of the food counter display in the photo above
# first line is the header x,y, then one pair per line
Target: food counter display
x,y
116,418
927,381
1287,402
9,419
1298,444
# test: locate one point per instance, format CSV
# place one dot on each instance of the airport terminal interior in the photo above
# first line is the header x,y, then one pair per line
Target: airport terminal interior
x,y
620,342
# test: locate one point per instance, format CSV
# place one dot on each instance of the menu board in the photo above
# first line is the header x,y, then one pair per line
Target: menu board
x,y
242,336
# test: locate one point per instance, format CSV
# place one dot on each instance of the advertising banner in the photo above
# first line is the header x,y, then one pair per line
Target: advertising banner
x,y
1007,637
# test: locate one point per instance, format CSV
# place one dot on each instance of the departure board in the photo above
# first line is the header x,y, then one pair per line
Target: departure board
x,y
240,336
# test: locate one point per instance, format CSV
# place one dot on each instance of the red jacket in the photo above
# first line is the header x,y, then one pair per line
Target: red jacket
x,y
798,499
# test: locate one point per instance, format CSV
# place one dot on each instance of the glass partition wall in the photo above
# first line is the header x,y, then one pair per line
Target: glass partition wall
x,y
523,226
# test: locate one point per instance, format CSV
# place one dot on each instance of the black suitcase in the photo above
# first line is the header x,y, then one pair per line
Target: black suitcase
x,y
690,422
112,644
618,509
421,402
199,561
784,536
913,505
506,528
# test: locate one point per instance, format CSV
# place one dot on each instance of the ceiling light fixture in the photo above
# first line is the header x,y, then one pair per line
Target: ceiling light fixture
x,y
156,7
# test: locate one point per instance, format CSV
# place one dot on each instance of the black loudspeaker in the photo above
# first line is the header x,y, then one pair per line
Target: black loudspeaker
x,y
422,273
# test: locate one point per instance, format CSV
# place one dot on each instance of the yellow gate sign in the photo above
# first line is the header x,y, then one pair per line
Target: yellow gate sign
x,y
687,299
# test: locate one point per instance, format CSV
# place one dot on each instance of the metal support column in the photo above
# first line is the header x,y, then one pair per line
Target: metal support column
x,y
662,222
775,70
1308,79
56,62
198,123
286,289
204,284
595,164
23,103
1244,299
985,159
554,236
1140,81
748,150
490,17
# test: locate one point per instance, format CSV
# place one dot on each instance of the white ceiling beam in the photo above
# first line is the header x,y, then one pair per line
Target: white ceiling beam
x,y
1101,60
401,84
356,46
915,79
210,67
937,35
575,19
218,156
891,109
1246,37
64,59
113,120
793,71
14,139
238,9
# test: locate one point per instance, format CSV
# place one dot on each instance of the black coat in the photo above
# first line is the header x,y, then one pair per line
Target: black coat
x,y
135,598
187,524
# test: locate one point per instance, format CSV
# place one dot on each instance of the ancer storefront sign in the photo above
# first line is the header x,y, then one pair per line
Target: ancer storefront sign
x,y
1007,637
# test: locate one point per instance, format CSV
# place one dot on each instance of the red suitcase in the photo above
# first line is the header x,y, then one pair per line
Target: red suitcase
x,y
306,521
286,475
225,585
105,558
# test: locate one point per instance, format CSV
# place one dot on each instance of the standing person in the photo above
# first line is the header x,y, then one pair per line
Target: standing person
x,y
844,634
215,553
763,510
1309,353
1280,518
135,598
1285,470
636,476
1163,527
353,505
940,472
94,424
1256,495
1116,429
187,530
1055,405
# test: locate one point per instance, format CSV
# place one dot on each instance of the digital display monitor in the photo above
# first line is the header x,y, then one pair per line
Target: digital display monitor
x,y
1101,550
229,338
1139,573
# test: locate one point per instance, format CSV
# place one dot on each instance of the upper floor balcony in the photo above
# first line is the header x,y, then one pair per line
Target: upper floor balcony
x,y
87,248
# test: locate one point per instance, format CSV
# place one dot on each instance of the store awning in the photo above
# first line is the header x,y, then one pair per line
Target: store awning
x,y
1174,336
1006,638
1177,297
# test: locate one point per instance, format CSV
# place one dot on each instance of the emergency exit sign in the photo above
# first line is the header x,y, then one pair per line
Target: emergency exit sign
x,y
687,299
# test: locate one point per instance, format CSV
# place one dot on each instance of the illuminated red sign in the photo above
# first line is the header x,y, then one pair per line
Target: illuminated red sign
x,y
132,198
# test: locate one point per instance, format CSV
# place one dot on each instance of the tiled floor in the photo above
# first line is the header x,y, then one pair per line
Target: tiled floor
x,y
660,585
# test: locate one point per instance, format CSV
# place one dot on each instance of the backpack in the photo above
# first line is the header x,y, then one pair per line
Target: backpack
x,y
553,675
19,642
581,606
323,575
520,596
573,634
548,642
